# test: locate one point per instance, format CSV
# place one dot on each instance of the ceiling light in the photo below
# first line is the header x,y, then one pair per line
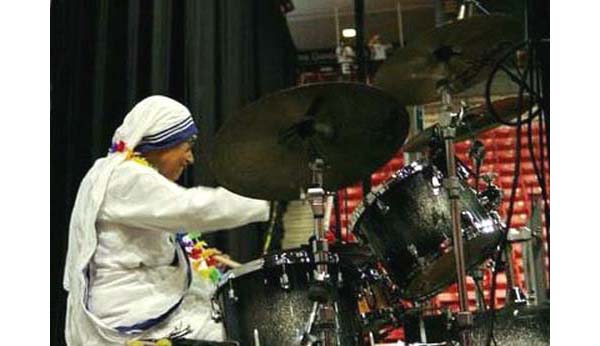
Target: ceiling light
x,y
349,32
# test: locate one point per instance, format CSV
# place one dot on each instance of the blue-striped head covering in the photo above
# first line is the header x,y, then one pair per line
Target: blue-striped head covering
x,y
157,122
177,133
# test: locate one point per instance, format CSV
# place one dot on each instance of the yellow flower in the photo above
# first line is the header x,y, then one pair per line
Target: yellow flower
x,y
163,342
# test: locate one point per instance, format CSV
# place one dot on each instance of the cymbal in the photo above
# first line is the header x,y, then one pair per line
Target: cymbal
x,y
476,121
459,55
265,149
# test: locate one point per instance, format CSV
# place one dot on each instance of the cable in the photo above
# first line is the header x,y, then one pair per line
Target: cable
x,y
338,216
500,65
517,171
479,290
504,239
346,213
542,181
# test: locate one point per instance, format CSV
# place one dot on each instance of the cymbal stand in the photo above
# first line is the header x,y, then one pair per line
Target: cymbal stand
x,y
322,326
447,121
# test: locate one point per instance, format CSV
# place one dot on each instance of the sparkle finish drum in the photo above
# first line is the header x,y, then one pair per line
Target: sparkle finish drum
x,y
265,302
407,224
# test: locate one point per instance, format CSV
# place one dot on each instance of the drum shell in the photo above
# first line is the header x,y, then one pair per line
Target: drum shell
x,y
408,225
278,311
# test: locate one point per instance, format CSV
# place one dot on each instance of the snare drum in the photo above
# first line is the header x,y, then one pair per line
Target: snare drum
x,y
407,224
265,302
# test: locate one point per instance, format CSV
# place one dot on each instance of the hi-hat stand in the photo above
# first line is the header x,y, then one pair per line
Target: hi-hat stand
x,y
322,328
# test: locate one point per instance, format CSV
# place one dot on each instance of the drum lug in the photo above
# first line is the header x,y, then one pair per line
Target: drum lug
x,y
383,208
412,249
421,261
468,225
215,312
231,293
284,281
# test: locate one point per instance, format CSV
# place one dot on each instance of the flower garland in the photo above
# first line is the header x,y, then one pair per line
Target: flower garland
x,y
200,256
121,147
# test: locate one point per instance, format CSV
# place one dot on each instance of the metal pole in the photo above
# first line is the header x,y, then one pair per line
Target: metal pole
x,y
361,75
400,25
452,184
359,22
336,17
457,232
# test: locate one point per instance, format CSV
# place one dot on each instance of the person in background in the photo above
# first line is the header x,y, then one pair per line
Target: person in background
x,y
126,274
378,54
345,57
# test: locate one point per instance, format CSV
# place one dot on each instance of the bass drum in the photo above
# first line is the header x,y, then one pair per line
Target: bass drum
x,y
265,302
407,224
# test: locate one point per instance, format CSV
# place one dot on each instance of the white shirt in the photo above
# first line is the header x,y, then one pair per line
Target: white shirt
x,y
133,277
378,51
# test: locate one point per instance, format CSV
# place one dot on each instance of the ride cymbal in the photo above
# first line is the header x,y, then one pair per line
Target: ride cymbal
x,y
458,55
265,149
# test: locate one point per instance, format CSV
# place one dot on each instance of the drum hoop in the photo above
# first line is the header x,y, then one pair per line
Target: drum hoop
x,y
245,269
272,260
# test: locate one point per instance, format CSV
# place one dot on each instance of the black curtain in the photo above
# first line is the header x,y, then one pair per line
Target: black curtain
x,y
214,56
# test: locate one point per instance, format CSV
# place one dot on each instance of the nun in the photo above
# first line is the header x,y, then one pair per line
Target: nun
x,y
126,275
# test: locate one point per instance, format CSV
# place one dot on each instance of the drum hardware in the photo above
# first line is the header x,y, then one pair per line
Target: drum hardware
x,y
322,325
256,338
469,227
476,120
477,154
534,255
515,296
517,325
522,234
477,276
284,280
215,312
447,121
491,196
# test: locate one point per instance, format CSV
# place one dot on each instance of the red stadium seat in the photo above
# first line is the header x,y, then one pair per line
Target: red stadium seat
x,y
463,147
352,192
379,177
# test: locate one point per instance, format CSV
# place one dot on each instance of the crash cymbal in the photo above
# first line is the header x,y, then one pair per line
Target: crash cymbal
x,y
459,54
265,149
476,121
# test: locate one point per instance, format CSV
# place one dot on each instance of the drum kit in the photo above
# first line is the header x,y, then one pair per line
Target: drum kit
x,y
419,231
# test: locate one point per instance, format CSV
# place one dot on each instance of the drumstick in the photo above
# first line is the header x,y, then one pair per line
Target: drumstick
x,y
226,261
